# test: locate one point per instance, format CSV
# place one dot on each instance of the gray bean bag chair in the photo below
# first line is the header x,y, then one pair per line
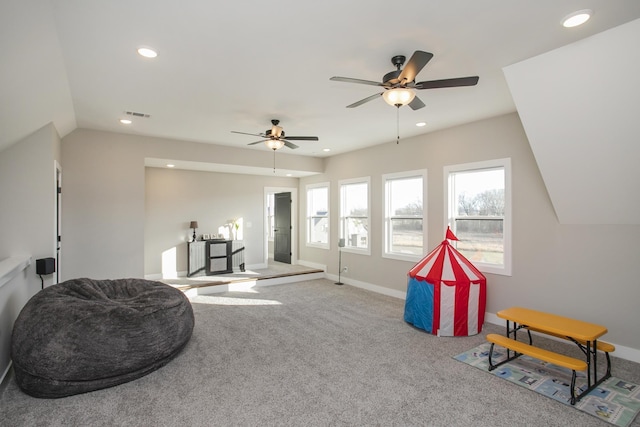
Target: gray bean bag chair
x,y
83,335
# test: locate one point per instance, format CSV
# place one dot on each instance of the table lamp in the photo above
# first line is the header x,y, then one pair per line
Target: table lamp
x,y
194,225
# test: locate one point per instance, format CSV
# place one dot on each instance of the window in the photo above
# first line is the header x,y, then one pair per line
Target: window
x,y
318,215
354,215
479,213
404,235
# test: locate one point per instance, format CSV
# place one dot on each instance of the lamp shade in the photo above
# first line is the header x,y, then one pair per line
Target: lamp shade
x,y
398,96
194,224
274,144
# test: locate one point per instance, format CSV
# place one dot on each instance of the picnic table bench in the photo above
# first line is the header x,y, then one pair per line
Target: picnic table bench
x,y
585,335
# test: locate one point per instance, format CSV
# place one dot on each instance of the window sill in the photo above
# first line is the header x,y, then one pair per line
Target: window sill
x,y
318,245
402,257
492,269
356,251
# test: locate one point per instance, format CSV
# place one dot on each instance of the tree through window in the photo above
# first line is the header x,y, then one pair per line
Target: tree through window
x,y
479,213
354,214
404,212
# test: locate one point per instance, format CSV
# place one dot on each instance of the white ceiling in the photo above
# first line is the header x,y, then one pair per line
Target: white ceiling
x,y
233,66
226,66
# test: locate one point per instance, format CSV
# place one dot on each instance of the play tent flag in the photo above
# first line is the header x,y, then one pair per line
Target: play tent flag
x,y
446,294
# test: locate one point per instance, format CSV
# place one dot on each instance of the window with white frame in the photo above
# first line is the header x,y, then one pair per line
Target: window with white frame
x,y
354,214
318,215
404,234
479,213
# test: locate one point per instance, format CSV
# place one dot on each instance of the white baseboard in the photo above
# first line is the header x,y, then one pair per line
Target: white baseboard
x,y
247,285
261,266
622,352
369,286
6,371
159,276
313,265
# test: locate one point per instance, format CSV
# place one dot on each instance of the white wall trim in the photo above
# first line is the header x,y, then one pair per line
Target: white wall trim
x,y
4,374
12,266
368,286
313,265
10,269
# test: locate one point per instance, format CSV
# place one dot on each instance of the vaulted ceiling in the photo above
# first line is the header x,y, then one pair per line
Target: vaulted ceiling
x,y
234,66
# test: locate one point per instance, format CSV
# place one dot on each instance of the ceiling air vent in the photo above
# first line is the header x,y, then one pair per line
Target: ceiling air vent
x,y
134,114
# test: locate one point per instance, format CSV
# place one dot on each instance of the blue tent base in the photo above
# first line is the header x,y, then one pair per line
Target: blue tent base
x,y
418,307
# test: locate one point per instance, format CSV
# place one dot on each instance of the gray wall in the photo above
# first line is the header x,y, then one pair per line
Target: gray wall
x,y
588,272
27,226
104,198
175,197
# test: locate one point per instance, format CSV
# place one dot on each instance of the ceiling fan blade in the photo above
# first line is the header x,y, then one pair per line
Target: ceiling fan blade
x,y
359,81
252,134
460,81
289,144
417,62
302,138
362,101
416,104
257,142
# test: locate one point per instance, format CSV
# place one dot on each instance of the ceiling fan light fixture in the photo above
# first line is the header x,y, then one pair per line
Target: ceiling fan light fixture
x,y
276,131
576,18
399,96
274,144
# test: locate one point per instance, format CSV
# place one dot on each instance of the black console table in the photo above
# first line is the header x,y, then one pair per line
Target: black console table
x,y
216,256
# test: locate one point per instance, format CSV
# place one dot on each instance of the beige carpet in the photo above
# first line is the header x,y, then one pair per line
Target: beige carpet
x,y
308,354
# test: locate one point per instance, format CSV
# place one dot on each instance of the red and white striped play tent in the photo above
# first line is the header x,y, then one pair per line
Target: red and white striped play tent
x,y
446,294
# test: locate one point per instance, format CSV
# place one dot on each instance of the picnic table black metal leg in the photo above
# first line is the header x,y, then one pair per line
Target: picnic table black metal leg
x,y
595,360
573,388
591,349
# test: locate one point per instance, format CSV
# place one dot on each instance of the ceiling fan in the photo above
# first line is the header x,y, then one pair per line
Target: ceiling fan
x,y
275,139
399,84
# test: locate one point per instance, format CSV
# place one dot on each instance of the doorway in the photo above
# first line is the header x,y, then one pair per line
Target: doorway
x,y
282,228
270,222
58,219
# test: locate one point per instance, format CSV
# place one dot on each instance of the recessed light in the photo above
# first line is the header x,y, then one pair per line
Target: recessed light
x,y
171,166
125,121
326,150
421,124
577,18
147,52
289,174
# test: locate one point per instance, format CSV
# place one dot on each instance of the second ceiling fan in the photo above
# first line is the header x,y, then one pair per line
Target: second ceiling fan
x,y
275,138
399,85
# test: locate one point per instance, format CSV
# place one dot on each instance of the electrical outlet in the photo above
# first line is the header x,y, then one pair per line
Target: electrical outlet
x,y
345,269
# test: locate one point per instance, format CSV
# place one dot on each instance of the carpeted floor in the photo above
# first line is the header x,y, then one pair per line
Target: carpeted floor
x,y
614,401
308,354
